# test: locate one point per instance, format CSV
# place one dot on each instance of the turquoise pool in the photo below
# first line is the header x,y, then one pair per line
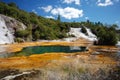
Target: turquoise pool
x,y
49,49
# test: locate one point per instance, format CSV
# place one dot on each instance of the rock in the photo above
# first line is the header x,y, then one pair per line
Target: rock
x,y
95,53
8,26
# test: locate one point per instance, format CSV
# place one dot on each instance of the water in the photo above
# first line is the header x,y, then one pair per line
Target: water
x,y
49,49
118,53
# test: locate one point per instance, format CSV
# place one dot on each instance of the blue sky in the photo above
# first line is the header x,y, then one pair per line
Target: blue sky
x,y
105,11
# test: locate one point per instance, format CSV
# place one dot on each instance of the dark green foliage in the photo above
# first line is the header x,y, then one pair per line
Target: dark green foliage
x,y
39,27
71,35
59,18
13,5
37,35
19,40
83,30
108,38
22,33
107,34
75,24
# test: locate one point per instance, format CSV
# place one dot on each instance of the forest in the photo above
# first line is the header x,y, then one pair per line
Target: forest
x,y
39,27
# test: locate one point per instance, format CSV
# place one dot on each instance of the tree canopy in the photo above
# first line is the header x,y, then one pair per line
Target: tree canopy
x,y
39,27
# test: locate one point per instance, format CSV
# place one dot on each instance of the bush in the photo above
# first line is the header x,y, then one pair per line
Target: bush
x,y
108,38
21,33
83,30
37,35
19,40
71,35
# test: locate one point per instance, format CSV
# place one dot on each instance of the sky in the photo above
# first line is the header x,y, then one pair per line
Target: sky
x,y
105,11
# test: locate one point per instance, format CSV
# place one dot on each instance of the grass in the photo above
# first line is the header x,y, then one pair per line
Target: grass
x,y
54,66
70,70
65,67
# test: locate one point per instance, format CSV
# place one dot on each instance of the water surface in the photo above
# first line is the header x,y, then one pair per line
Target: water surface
x,y
27,51
49,49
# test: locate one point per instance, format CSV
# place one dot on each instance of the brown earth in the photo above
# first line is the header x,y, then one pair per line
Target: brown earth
x,y
42,60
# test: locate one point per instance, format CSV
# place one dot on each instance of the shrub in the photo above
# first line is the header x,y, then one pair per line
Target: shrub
x,y
22,33
108,38
19,40
83,30
71,35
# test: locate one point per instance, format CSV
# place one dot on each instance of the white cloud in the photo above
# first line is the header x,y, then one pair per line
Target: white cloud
x,y
86,18
50,17
105,3
34,11
68,12
77,2
47,8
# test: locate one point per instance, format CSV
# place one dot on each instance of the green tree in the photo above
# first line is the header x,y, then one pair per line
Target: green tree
x,y
37,35
39,27
22,33
59,19
13,5
107,37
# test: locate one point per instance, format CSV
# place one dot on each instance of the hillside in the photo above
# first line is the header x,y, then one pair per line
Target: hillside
x,y
40,28
8,26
